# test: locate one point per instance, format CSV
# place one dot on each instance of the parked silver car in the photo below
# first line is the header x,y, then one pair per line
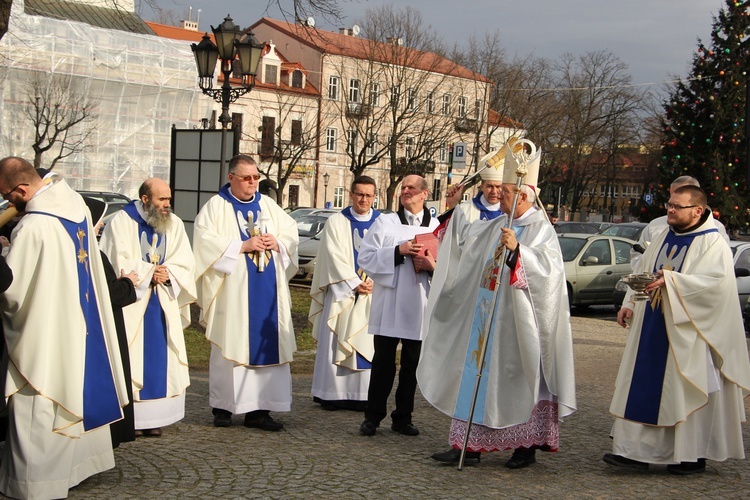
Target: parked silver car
x,y
593,265
310,228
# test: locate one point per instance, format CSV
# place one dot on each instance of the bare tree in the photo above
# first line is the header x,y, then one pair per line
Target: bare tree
x,y
596,100
62,116
390,108
284,144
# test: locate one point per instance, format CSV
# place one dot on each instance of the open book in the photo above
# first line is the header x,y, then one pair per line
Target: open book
x,y
430,243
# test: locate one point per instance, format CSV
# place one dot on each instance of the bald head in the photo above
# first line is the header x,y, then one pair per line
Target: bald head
x,y
19,181
156,197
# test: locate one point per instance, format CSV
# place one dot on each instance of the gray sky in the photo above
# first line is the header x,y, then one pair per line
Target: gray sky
x,y
655,38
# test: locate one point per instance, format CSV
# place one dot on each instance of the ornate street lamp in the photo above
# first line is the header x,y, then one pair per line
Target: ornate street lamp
x,y
239,53
326,176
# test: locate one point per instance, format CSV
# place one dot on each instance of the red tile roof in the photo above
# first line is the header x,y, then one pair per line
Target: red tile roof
x,y
334,43
176,33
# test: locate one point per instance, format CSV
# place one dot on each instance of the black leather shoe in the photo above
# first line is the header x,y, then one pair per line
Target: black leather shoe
x,y
368,428
687,468
405,429
265,423
453,456
222,419
152,432
522,457
626,463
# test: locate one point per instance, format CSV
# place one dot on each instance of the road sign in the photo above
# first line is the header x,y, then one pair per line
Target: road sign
x,y
459,155
648,198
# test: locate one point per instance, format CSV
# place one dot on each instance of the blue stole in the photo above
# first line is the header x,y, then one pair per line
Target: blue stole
x,y
359,229
644,396
479,335
485,213
153,248
262,306
100,403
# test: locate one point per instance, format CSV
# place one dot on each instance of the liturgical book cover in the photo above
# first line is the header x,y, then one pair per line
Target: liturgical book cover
x,y
430,242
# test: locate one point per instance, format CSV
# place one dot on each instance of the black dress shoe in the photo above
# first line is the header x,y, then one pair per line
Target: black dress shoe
x,y
265,423
368,428
522,457
453,456
405,429
222,419
152,432
687,468
627,463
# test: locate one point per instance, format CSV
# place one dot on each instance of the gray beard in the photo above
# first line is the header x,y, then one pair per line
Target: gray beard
x,y
160,222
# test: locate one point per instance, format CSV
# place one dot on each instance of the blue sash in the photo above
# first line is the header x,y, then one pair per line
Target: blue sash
x,y
262,306
100,403
153,249
485,213
644,396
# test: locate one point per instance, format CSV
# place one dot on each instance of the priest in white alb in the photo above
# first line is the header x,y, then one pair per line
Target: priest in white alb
x,y
527,384
146,237
340,308
245,249
679,393
64,382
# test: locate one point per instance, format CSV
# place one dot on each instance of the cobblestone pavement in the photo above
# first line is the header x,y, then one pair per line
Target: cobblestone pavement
x,y
321,453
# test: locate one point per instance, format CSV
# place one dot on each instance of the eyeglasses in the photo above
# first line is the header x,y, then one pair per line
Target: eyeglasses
x,y
247,178
5,195
363,195
672,206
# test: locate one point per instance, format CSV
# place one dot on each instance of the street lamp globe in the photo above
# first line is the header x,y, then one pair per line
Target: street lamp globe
x,y
226,34
206,55
326,176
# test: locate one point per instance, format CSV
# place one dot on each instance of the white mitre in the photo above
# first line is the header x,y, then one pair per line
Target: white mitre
x,y
532,168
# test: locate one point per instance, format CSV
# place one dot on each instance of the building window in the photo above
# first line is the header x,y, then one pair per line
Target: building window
x,y
446,109
388,149
395,96
430,102
271,73
351,142
375,200
443,153
267,136
409,147
436,189
354,95
338,197
477,109
297,79
375,94
411,99
372,142
462,107
334,82
296,138
330,139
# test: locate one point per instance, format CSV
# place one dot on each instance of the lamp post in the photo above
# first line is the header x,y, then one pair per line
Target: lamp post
x,y
239,57
326,176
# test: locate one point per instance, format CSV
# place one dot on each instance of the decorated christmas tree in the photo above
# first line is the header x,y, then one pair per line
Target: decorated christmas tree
x,y
705,126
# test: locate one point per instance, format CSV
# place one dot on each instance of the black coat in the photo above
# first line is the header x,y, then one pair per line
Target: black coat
x,y
121,293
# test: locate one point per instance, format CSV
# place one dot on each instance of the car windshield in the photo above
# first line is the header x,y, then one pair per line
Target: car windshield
x,y
310,225
570,247
629,232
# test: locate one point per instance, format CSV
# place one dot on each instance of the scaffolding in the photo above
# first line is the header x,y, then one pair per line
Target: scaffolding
x,y
142,85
